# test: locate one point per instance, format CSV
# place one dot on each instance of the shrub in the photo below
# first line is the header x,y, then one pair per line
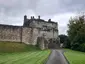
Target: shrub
x,y
75,46
82,47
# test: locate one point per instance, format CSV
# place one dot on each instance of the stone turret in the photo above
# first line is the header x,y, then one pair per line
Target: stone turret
x,y
25,18
38,17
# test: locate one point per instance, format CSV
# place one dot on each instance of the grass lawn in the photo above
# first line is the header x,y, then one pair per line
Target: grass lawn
x,y
26,55
75,57
16,47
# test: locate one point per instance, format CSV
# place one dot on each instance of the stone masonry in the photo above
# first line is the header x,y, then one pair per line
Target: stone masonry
x,y
35,31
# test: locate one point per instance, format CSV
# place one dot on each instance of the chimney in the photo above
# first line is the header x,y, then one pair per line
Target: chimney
x,y
25,18
38,17
49,20
33,17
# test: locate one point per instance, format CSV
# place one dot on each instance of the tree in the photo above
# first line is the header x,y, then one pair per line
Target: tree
x,y
76,32
64,39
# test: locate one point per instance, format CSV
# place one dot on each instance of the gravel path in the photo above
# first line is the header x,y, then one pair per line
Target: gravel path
x,y
56,57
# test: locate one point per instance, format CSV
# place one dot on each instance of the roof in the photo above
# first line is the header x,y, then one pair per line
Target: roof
x,y
41,20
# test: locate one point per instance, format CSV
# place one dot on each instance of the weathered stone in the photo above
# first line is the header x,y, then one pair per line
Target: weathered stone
x,y
31,30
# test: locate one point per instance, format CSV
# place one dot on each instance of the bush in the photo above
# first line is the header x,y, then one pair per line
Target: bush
x,y
82,47
75,46
67,44
79,47
65,40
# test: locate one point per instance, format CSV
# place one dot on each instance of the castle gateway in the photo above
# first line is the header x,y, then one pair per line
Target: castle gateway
x,y
34,31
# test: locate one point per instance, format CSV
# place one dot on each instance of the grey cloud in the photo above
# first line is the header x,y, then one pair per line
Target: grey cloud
x,y
17,7
46,7
73,5
12,11
63,30
59,6
41,7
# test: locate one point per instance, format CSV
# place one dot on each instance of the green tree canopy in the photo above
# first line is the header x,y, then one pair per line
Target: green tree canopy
x,y
64,39
76,31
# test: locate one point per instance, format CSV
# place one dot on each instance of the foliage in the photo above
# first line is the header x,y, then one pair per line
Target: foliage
x,y
75,57
76,32
65,40
82,47
62,38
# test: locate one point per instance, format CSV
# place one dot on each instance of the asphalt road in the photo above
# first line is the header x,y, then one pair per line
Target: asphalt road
x,y
56,57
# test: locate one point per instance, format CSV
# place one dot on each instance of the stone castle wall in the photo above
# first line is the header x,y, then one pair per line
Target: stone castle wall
x,y
26,35
29,35
31,31
16,33
10,33
19,34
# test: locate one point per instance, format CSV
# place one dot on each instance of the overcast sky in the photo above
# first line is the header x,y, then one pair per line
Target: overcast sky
x,y
12,11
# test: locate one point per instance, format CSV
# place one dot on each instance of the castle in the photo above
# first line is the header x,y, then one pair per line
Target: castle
x,y
35,31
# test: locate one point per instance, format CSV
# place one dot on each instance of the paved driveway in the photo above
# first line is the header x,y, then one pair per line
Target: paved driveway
x,y
56,57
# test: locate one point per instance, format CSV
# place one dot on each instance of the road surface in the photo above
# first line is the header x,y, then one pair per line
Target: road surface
x,y
56,57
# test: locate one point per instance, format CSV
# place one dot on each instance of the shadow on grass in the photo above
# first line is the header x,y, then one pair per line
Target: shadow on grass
x,y
16,47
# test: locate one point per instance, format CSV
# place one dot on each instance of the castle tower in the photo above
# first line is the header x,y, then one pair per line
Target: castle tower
x,y
38,17
25,18
25,21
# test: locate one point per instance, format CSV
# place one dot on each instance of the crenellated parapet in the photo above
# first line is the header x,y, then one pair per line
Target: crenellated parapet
x,y
38,21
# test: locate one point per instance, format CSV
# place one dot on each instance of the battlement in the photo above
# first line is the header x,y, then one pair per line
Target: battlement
x,y
38,19
38,22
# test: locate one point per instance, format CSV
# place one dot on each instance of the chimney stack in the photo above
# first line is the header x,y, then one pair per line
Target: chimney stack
x,y
49,20
38,17
33,17
25,18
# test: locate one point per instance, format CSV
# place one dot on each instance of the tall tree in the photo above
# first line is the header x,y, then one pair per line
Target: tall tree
x,y
76,31
64,39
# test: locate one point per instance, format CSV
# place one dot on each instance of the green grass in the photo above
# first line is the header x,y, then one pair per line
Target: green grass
x,y
16,47
75,57
19,53
30,57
